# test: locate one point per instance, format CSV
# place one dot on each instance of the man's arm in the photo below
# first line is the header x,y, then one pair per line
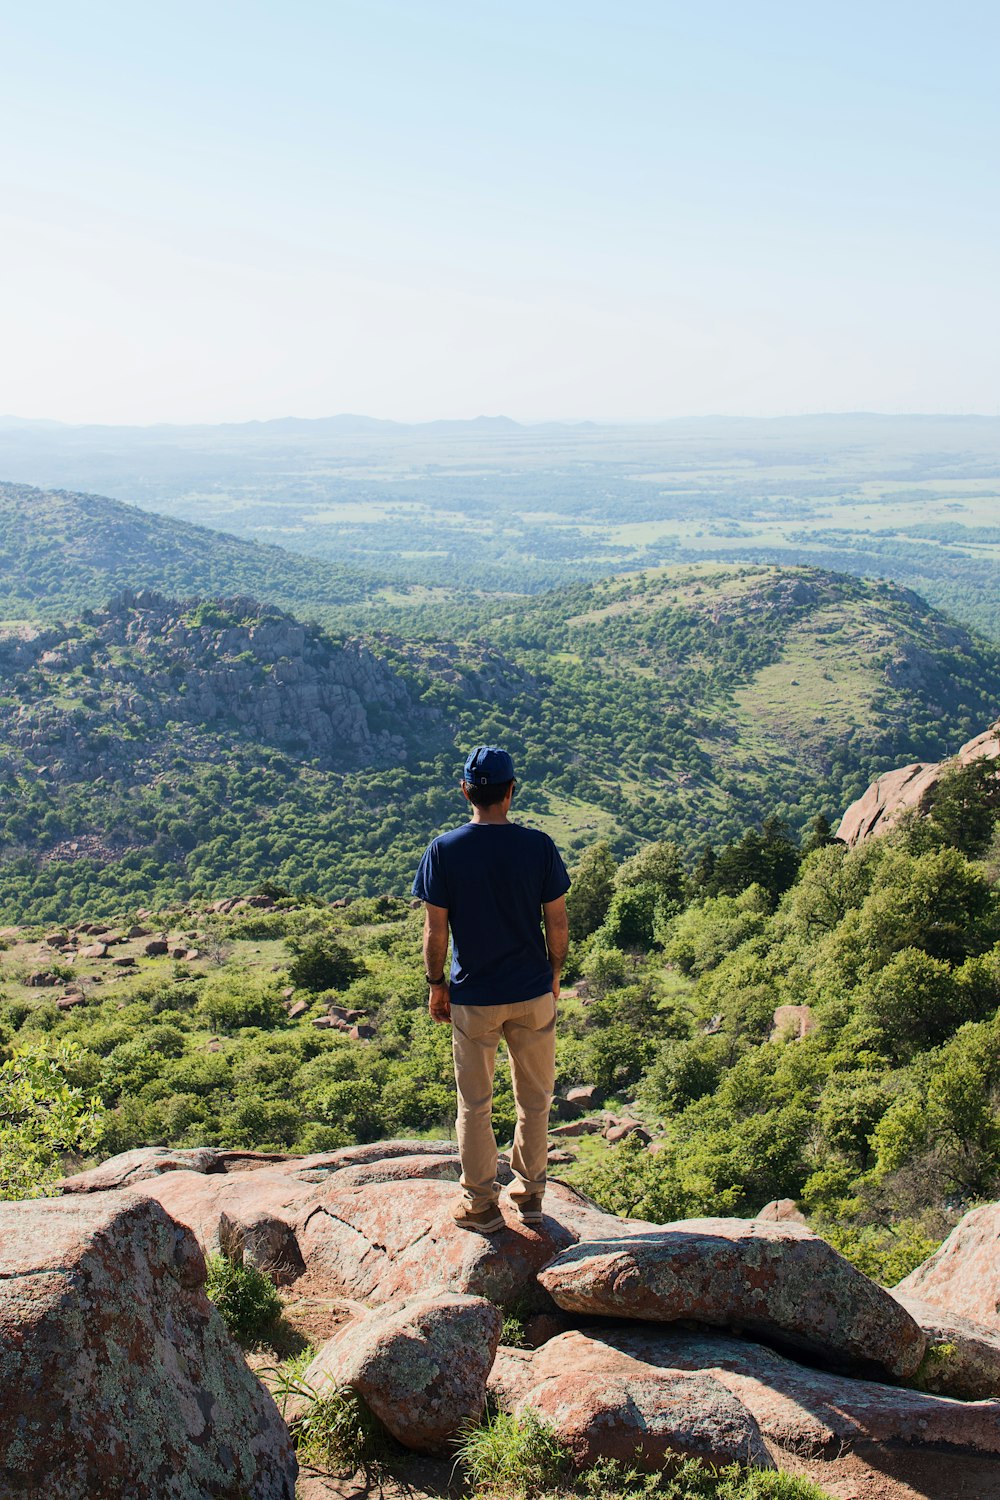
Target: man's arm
x,y
556,937
435,953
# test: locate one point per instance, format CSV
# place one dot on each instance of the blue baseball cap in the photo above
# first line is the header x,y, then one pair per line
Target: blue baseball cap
x,y
488,765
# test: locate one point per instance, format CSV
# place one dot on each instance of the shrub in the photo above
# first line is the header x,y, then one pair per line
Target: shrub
x,y
589,897
336,1430
246,1298
320,963
233,1001
512,1458
42,1116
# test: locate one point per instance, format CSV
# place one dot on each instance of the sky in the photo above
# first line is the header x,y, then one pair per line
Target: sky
x,y
556,209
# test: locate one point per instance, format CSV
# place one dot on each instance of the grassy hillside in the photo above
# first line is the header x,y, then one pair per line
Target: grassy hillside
x,y
697,699
157,750
62,552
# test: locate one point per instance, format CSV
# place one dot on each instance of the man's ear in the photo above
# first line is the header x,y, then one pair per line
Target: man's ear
x,y
465,791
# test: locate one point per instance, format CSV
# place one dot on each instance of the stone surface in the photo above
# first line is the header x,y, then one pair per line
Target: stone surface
x,y
421,1367
895,793
604,1403
373,1222
621,1128
814,1412
963,1357
591,1125
792,1022
586,1095
776,1280
782,1210
962,1277
118,1378
132,1167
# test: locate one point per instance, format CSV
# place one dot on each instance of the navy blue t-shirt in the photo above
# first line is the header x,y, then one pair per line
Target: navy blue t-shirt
x,y
493,878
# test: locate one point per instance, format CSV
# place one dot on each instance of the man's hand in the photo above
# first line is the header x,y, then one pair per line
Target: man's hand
x,y
439,1002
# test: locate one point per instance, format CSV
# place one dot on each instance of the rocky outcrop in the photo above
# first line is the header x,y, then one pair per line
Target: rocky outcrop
x,y
421,1368
749,1340
229,667
905,789
962,1277
117,1376
370,1222
803,1409
859,1439
774,1279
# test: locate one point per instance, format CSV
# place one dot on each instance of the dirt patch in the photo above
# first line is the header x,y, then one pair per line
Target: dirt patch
x,y
410,1479
884,1474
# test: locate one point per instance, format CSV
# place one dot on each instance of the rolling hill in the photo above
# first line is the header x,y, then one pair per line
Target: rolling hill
x,y
61,552
155,749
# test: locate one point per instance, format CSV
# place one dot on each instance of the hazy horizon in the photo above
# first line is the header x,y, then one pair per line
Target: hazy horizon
x,y
15,420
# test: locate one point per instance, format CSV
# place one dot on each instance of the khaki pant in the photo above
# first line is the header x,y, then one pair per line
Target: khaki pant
x,y
529,1029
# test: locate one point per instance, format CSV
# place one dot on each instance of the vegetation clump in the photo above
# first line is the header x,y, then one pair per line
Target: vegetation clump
x,y
519,1457
246,1299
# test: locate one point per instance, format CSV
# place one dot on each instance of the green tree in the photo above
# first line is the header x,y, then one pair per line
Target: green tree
x,y
589,896
965,804
42,1117
321,963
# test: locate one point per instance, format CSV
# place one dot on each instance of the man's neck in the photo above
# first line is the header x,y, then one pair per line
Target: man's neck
x,y
490,815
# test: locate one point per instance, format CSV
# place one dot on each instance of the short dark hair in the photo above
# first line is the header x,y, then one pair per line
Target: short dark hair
x,y
488,796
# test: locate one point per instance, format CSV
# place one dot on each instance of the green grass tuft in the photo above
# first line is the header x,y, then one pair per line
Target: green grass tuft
x,y
512,1458
245,1297
336,1432
520,1458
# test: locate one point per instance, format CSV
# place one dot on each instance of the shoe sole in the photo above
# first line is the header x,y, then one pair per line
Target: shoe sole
x,y
531,1218
490,1228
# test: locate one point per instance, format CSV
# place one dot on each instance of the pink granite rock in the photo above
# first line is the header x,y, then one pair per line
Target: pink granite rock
x,y
962,1277
774,1279
604,1403
118,1378
899,791
810,1411
421,1367
963,1357
373,1222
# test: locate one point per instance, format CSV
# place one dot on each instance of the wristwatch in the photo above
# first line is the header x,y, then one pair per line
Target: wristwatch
x,y
434,982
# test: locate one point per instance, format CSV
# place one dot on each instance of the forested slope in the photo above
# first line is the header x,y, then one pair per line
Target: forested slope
x,y
61,552
157,749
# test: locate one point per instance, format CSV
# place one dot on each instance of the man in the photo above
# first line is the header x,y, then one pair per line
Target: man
x,y
494,883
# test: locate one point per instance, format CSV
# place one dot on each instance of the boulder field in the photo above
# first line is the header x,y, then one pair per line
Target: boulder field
x,y
725,1339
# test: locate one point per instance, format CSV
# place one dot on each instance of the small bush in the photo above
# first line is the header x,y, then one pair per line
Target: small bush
x,y
320,963
512,1333
512,1457
520,1458
336,1431
246,1299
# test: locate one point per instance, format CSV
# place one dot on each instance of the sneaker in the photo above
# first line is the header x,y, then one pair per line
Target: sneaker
x,y
485,1221
529,1210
